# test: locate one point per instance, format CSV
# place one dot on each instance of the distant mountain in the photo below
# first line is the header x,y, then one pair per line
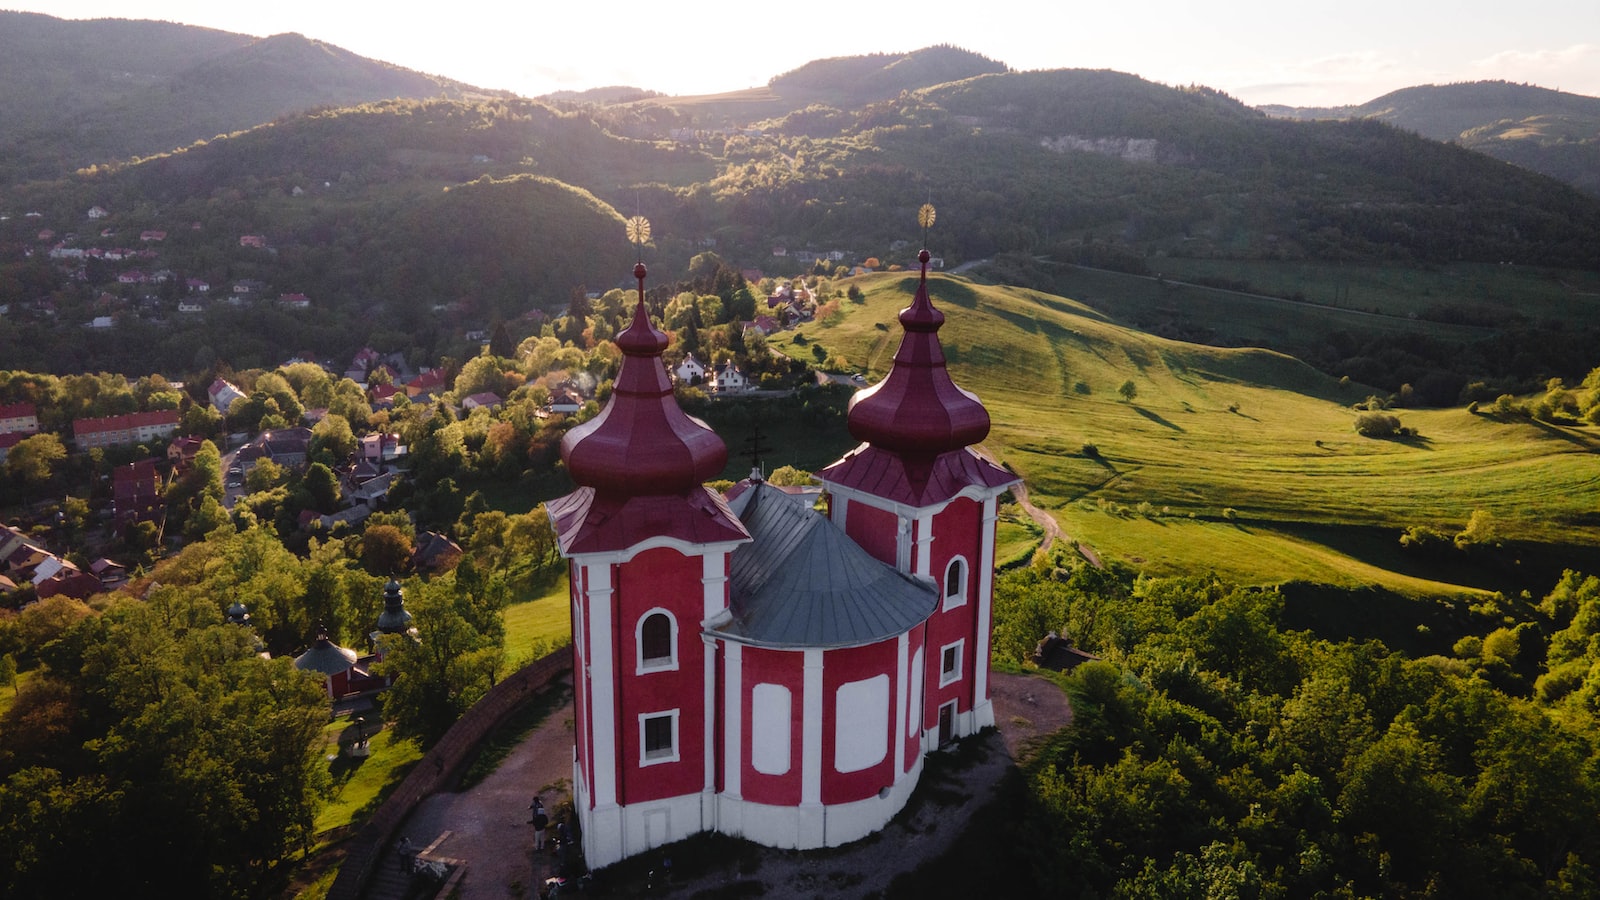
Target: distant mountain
x,y
85,92
1550,132
822,88
877,76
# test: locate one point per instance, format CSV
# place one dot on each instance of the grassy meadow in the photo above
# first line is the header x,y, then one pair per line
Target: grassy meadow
x,y
1240,461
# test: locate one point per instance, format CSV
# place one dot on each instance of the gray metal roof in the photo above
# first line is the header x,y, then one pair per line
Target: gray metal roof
x,y
801,582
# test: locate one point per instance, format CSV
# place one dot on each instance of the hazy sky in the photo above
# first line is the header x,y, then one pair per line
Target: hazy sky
x,y
1282,51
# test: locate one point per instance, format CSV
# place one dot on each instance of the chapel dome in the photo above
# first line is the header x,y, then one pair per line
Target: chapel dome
x,y
642,443
916,410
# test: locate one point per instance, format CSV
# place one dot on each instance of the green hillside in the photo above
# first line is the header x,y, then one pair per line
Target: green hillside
x,y
1239,460
81,93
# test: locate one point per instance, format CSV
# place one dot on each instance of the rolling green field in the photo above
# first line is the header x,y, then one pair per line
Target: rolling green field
x,y
1241,461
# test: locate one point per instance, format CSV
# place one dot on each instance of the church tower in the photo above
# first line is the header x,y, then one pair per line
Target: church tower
x,y
915,495
648,548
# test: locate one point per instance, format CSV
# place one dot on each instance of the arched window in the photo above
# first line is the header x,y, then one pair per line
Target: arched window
x,y
658,641
955,583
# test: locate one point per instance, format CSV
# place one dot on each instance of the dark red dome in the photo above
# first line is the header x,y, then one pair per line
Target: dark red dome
x,y
917,410
642,443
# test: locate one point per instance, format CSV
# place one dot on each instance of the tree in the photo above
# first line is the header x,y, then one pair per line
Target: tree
x,y
322,486
1128,390
447,669
385,550
184,746
208,518
33,459
789,476
265,475
332,438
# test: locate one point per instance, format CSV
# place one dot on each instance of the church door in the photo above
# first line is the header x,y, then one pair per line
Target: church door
x,y
947,723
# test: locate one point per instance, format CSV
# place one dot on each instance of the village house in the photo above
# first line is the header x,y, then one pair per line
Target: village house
x,y
132,428
26,561
427,384
136,495
98,212
197,285
381,448
180,453
252,240
483,400
690,371
152,236
222,393
382,395
191,306
295,301
729,380
19,417
564,400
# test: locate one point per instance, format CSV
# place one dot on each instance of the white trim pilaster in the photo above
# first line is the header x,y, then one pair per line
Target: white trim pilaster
x,y
602,683
982,710
812,824
902,700
924,539
733,714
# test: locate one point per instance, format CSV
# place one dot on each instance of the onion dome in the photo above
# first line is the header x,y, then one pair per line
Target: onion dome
x,y
237,613
325,657
394,619
642,443
917,410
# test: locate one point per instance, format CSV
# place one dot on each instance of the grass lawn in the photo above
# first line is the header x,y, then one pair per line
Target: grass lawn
x,y
1016,538
360,783
1257,447
537,626
8,695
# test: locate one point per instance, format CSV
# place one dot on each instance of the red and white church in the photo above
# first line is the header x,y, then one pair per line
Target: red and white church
x,y
747,665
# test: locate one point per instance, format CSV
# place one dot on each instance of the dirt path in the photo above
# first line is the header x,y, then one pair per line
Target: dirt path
x,y
488,823
1052,529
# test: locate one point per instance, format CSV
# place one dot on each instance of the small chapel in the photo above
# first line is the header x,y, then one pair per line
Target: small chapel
x,y
746,664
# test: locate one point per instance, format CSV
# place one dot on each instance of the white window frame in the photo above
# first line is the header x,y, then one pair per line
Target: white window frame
x,y
666,756
668,663
951,601
948,677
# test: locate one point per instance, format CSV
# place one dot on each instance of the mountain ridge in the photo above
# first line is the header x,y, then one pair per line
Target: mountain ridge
x,y
1555,133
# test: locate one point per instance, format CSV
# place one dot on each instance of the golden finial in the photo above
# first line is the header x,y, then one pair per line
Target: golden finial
x,y
638,231
925,216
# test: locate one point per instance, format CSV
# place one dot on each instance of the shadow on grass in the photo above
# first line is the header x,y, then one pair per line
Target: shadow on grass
x,y
1156,418
1581,440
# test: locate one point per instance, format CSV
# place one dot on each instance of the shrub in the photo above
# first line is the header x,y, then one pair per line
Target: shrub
x,y
1378,425
1090,450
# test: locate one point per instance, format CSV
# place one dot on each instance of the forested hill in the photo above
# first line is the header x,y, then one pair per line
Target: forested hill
x,y
1552,132
84,92
878,76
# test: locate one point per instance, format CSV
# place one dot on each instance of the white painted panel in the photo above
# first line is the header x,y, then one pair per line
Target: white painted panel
x,y
861,724
770,747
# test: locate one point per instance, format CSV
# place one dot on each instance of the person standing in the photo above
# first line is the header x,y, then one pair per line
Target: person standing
x,y
540,822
